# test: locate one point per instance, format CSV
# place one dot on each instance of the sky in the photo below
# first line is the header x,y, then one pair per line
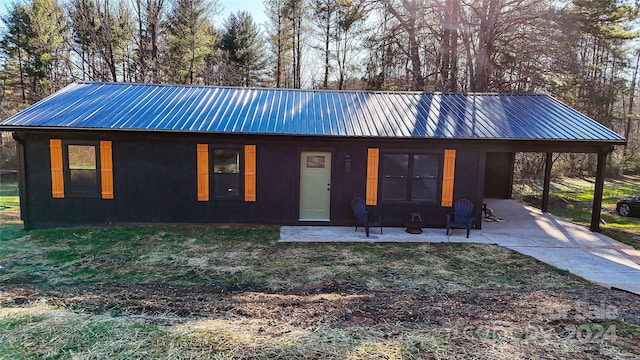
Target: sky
x,y
254,7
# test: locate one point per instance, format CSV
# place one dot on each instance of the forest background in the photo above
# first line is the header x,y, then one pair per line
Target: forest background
x,y
583,52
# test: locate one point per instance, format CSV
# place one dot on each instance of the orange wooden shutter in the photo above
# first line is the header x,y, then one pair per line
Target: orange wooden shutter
x,y
203,172
106,169
448,177
372,176
57,179
249,173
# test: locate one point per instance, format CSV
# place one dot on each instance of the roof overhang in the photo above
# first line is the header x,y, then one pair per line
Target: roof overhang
x,y
495,145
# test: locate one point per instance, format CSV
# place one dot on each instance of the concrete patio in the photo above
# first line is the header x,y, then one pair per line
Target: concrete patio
x,y
524,229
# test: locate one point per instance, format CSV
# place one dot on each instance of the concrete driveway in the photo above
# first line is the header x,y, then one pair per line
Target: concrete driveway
x,y
524,229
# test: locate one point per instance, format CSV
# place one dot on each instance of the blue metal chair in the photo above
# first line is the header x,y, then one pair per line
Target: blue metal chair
x,y
462,216
363,217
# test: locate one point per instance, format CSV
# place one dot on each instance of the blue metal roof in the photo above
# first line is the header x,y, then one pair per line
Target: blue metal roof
x,y
153,107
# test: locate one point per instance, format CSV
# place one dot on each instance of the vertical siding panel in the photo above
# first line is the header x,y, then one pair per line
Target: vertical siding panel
x,y
249,173
372,176
203,172
448,174
57,179
106,169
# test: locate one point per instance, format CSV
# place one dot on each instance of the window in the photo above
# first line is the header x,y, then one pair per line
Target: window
x,y
82,170
410,177
226,173
315,161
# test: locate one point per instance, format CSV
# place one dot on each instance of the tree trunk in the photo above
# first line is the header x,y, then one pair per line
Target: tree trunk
x,y
632,94
142,51
341,58
445,50
279,49
112,64
22,85
470,66
154,11
453,47
409,25
299,49
490,12
414,55
327,39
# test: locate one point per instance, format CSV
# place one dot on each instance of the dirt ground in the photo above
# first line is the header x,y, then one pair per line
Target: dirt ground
x,y
339,305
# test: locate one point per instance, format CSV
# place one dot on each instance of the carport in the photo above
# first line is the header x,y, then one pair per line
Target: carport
x,y
499,171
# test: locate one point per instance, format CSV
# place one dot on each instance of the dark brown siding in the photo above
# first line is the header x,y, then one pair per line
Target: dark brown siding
x,y
155,180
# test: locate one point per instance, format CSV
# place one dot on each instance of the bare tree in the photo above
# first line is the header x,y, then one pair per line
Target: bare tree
x,y
323,15
105,30
408,14
149,15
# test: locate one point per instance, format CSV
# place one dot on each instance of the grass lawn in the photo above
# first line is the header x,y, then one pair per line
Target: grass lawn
x,y
572,199
236,293
9,203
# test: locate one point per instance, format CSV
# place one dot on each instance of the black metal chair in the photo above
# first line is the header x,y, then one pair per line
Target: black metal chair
x,y
364,217
462,216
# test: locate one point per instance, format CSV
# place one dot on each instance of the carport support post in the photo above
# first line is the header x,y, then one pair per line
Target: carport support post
x,y
547,182
597,194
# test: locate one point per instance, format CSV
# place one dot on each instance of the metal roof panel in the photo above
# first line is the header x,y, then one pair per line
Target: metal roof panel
x,y
153,107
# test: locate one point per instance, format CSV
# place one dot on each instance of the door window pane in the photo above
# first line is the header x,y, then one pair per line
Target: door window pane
x,y
315,162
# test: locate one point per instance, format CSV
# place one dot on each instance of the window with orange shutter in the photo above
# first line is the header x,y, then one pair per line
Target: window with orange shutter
x,y
81,169
231,173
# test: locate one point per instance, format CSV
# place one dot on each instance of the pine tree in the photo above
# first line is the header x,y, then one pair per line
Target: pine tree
x,y
49,30
244,45
189,39
16,43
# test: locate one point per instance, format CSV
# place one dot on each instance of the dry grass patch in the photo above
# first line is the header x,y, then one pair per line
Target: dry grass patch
x,y
209,293
64,334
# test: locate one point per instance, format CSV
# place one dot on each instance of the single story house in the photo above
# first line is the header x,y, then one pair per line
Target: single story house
x,y
102,153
